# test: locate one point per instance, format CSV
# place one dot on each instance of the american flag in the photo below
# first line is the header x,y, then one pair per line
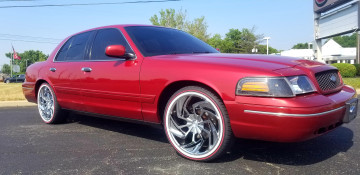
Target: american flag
x,y
16,56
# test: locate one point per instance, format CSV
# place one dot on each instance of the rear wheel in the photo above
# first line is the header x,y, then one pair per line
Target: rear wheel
x,y
49,110
197,124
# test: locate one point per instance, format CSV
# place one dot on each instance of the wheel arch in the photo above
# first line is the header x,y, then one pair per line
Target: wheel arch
x,y
171,88
37,86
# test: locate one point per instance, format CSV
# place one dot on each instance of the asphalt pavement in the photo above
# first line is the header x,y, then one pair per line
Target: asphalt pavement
x,y
89,145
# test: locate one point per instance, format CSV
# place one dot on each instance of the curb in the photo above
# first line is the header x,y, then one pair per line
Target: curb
x,y
16,103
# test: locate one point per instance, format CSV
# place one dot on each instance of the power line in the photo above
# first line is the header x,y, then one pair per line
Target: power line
x,y
17,0
85,4
33,37
31,41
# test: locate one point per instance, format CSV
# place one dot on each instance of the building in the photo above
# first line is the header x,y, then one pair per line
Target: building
x,y
332,52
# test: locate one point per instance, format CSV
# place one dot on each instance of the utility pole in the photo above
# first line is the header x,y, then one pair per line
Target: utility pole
x,y
11,62
357,59
267,44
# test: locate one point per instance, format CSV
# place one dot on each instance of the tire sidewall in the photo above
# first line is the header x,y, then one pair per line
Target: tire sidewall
x,y
209,95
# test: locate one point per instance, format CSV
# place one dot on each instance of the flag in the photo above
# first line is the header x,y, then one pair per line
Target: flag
x,y
15,55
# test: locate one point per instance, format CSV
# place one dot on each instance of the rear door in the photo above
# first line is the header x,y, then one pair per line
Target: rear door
x,y
65,73
111,85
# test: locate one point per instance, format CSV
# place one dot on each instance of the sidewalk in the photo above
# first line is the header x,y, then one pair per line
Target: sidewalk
x,y
16,103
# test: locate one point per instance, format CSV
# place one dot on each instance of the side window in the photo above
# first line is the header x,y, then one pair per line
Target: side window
x,y
78,46
104,38
61,56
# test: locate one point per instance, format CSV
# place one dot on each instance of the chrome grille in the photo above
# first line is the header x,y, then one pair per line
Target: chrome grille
x,y
328,80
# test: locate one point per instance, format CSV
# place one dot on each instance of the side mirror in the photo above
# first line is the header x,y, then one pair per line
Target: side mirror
x,y
115,51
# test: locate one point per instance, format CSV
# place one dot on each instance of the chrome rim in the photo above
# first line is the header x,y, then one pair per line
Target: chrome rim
x,y
46,103
194,125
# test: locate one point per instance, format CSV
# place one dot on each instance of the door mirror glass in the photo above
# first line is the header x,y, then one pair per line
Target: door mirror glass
x,y
115,51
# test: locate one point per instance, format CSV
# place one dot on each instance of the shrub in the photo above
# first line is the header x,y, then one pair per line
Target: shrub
x,y
345,69
357,69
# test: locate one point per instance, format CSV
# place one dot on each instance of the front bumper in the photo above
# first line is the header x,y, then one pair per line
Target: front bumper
x,y
288,119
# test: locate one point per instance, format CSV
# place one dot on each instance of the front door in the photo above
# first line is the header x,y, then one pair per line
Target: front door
x,y
111,85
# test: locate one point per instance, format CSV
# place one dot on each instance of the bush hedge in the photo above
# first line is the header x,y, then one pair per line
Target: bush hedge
x,y
357,69
346,70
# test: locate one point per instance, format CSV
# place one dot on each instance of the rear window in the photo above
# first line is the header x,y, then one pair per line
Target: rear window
x,y
75,48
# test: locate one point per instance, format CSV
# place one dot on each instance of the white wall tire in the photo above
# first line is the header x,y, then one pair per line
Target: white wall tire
x,y
49,110
196,124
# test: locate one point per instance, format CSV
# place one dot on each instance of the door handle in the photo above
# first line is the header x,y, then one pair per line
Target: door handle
x,y
52,69
86,69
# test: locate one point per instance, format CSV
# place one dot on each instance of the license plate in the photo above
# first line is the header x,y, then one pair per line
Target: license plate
x,y
351,110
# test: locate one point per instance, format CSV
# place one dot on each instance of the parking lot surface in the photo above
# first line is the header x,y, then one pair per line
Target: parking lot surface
x,y
88,145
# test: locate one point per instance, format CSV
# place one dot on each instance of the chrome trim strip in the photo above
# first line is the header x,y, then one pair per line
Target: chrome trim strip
x,y
27,88
292,115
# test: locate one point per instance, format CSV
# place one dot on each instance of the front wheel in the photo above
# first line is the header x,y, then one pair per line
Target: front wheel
x,y
197,124
49,110
7,81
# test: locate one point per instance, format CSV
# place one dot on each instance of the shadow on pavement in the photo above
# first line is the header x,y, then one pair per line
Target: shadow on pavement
x,y
302,153
134,129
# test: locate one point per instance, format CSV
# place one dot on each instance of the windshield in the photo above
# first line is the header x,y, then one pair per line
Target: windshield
x,y
153,41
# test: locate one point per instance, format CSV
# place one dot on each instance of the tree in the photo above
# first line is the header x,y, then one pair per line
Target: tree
x,y
242,41
198,28
27,58
216,41
346,40
239,41
171,18
6,69
262,49
302,46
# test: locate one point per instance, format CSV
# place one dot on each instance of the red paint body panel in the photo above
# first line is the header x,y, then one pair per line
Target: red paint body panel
x,y
131,89
284,128
112,88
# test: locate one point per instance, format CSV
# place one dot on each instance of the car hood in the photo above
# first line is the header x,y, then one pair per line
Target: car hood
x,y
265,62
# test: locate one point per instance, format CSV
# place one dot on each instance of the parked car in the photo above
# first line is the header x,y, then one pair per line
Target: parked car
x,y
15,79
204,99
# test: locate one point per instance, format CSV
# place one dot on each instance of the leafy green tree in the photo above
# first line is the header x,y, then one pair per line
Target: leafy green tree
x,y
242,41
171,18
239,41
346,40
302,46
6,69
198,28
225,46
262,49
27,58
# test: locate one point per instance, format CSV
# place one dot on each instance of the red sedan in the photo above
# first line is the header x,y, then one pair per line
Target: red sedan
x,y
202,97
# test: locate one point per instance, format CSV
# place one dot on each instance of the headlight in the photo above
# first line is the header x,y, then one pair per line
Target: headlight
x,y
274,86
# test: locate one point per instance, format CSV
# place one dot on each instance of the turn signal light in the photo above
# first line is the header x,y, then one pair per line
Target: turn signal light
x,y
255,86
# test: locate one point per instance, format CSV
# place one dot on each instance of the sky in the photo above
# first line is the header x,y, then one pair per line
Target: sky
x,y
286,22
